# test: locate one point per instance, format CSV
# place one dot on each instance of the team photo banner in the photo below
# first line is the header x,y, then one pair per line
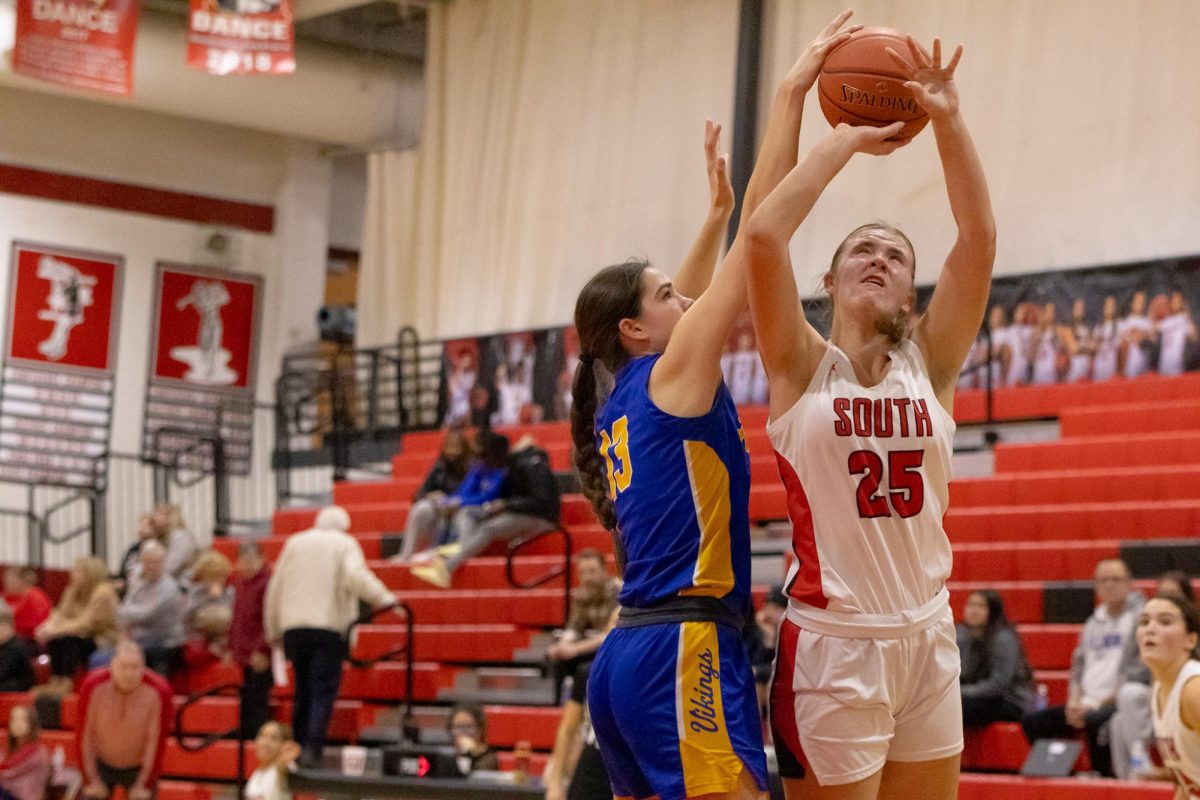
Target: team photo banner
x,y
1093,324
241,37
85,44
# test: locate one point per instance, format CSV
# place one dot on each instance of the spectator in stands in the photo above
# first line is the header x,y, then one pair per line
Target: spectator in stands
x,y
121,735
152,612
311,601
176,538
30,605
208,611
248,639
16,669
428,512
275,750
529,503
575,770
437,520
1133,720
997,681
467,726
592,603
86,618
766,638
26,769
131,566
1097,665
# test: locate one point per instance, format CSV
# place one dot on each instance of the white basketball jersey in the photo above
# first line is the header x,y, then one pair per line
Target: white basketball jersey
x,y
867,473
1173,332
1104,365
1178,745
1045,363
1136,360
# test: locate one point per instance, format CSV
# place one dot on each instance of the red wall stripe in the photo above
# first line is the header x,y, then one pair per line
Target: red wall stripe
x,y
137,199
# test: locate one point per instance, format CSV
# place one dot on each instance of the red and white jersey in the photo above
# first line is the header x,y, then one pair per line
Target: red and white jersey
x,y
1178,745
867,474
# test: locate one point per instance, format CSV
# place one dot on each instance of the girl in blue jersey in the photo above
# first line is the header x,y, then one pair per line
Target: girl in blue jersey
x,y
664,463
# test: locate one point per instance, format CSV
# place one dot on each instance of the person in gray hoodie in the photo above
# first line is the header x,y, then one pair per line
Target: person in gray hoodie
x,y
1098,665
152,611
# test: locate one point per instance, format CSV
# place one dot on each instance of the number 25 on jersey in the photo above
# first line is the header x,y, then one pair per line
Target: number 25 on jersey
x,y
614,447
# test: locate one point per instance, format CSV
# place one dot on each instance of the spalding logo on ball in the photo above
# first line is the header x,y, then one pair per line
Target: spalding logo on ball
x,y
861,85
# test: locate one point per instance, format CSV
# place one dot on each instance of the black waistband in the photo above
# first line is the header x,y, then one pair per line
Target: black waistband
x,y
681,609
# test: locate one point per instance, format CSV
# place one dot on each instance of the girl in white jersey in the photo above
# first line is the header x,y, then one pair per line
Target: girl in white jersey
x,y
865,698
1167,634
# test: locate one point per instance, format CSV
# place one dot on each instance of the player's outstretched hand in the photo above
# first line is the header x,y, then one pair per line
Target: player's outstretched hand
x,y
871,140
803,73
719,185
932,84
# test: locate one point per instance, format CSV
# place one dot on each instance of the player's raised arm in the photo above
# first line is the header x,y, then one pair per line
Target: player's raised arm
x,y
689,372
948,327
789,345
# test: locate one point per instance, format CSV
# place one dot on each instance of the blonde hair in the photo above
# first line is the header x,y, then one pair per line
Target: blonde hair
x,y
78,593
173,514
213,567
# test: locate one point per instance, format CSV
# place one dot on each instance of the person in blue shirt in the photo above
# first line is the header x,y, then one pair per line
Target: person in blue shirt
x,y
663,461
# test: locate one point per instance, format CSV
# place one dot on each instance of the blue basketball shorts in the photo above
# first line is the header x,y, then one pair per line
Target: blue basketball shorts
x,y
675,711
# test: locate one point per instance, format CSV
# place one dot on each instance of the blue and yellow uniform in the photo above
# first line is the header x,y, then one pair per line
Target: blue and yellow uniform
x,y
673,703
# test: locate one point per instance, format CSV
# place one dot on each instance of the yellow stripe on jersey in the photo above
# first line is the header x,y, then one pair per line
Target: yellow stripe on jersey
x,y
710,495
709,764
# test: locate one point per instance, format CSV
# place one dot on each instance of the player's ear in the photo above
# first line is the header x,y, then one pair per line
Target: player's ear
x,y
632,329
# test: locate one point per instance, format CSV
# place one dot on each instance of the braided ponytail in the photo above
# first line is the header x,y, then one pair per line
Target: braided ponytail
x,y
613,294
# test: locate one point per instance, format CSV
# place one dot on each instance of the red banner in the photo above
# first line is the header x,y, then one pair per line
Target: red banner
x,y
206,328
82,43
239,37
61,310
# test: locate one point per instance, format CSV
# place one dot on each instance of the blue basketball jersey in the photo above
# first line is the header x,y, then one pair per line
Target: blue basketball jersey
x,y
681,487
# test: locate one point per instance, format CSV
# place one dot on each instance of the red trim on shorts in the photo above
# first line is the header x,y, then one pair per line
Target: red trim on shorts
x,y
805,587
784,731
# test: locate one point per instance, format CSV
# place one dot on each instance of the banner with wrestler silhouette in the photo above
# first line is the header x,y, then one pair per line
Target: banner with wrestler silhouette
x,y
203,360
59,358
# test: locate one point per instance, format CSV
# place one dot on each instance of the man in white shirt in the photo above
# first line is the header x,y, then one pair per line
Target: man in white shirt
x,y
311,600
1096,667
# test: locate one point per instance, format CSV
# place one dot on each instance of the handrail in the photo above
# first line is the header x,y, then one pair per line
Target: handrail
x,y
406,727
516,545
208,740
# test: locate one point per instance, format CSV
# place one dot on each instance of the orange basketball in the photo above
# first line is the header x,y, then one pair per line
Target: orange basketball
x,y
861,85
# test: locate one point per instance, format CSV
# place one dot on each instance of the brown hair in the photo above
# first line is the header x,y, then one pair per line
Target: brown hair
x,y
613,294
78,593
34,728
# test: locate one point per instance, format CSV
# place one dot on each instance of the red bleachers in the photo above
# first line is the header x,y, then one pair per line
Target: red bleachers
x,y
1129,450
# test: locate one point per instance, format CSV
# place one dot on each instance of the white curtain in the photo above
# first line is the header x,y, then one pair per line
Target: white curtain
x,y
1086,115
559,136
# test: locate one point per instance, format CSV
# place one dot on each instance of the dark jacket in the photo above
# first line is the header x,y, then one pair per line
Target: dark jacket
x,y
1007,677
444,477
530,486
16,667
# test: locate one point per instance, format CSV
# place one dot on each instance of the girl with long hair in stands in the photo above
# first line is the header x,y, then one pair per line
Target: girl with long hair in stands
x,y
865,696
664,462
1168,633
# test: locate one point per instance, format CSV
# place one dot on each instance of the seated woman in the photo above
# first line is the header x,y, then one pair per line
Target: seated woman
x,y
468,731
997,681
275,750
26,769
430,522
85,619
208,611
447,474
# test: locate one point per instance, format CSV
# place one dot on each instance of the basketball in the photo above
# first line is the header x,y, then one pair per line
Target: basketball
x,y
859,83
